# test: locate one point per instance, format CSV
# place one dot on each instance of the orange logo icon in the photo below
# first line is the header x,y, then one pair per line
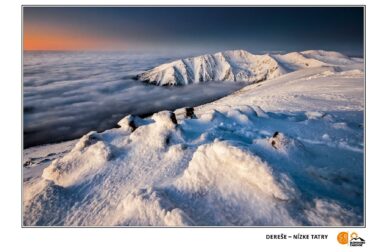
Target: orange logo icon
x,y
342,237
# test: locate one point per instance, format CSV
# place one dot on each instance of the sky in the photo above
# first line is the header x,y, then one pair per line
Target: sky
x,y
207,29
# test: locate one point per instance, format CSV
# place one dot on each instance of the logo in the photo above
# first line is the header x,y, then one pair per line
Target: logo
x,y
342,238
355,240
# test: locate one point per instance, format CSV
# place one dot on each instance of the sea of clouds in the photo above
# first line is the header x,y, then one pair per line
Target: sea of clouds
x,y
67,94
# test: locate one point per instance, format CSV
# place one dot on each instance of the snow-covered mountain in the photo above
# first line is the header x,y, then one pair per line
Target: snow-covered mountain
x,y
329,57
238,65
287,151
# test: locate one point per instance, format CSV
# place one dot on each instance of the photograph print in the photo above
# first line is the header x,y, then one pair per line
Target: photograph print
x,y
151,116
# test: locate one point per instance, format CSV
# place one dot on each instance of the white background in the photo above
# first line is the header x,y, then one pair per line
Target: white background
x,y
15,238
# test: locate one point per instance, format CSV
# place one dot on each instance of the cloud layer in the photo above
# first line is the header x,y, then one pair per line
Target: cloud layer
x,y
67,94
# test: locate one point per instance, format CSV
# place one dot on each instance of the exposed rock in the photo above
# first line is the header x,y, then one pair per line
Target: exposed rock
x,y
189,113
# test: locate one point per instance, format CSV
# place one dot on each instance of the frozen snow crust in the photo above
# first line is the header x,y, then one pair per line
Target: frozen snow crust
x,y
284,152
227,167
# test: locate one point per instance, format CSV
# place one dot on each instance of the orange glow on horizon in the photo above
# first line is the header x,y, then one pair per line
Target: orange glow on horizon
x,y
40,38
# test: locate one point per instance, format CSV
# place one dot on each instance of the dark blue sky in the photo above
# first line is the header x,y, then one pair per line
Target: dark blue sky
x,y
256,29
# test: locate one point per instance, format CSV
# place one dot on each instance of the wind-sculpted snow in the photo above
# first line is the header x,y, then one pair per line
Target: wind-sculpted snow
x,y
238,66
221,161
284,152
90,154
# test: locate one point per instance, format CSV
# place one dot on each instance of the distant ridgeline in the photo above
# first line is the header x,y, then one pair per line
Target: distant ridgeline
x,y
238,66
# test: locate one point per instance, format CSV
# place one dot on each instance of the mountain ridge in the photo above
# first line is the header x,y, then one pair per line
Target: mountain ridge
x,y
237,66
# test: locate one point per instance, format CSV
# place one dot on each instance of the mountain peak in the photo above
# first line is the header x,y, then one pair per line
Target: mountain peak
x,y
238,66
231,65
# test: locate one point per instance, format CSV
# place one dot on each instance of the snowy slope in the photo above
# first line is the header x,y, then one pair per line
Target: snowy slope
x,y
288,151
330,57
238,65
295,61
322,88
